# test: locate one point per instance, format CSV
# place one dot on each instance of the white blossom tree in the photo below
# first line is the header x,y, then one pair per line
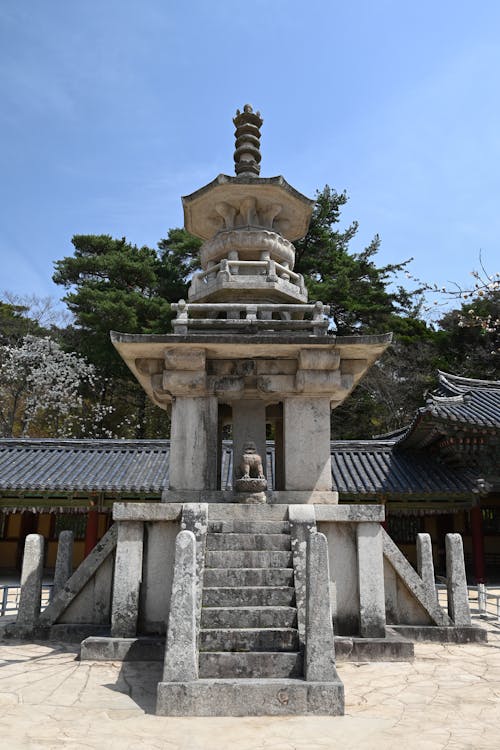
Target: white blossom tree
x,y
42,392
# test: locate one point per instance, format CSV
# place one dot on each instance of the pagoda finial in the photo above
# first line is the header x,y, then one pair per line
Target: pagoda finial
x,y
247,154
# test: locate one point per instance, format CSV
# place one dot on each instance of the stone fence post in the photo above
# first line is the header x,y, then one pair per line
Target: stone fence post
x,y
319,660
31,584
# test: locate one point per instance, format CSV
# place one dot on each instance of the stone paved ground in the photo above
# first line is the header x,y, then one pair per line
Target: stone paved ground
x,y
448,698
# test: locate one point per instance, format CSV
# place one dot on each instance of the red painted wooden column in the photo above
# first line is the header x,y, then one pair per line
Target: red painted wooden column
x,y
91,531
476,525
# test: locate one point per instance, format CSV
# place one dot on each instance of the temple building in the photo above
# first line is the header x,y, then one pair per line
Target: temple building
x,y
437,475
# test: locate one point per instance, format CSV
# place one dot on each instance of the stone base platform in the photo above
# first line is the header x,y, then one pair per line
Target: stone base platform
x,y
99,648
244,697
436,634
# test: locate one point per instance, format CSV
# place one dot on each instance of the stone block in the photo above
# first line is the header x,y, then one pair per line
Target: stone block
x,y
181,654
248,559
319,660
249,617
158,573
307,450
193,446
249,697
249,596
31,585
302,521
343,564
245,577
249,639
371,580
64,561
185,359
127,579
230,541
458,596
319,359
250,664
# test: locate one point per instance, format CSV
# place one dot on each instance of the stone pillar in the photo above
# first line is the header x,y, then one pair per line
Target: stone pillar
x,y
371,580
319,662
306,427
249,423
193,444
181,653
458,596
91,532
195,519
127,579
476,526
31,584
425,563
64,561
302,523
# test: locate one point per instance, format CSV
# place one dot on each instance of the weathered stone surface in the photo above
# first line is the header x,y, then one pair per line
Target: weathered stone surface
x,y
105,648
350,513
302,521
371,581
249,596
92,606
158,573
147,511
31,585
193,446
250,664
250,698
249,617
64,561
238,577
195,519
249,639
344,583
437,634
308,464
249,426
251,486
82,575
231,541
127,579
181,653
248,527
412,581
391,648
319,661
248,559
458,598
425,563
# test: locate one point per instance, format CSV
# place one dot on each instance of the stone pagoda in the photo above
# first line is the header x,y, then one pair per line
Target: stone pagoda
x,y
247,586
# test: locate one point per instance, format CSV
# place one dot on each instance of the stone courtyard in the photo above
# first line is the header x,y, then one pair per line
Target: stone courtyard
x,y
448,697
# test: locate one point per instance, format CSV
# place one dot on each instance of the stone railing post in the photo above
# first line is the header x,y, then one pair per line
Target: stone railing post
x,y
425,563
371,580
195,518
302,521
31,584
181,652
319,659
458,595
64,561
127,579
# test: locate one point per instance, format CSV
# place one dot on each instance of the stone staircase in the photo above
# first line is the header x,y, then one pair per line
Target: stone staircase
x,y
249,616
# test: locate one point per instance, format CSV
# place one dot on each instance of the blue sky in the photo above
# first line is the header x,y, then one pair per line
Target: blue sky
x,y
113,109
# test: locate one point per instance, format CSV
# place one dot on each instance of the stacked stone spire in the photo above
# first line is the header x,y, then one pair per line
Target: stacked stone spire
x,y
247,154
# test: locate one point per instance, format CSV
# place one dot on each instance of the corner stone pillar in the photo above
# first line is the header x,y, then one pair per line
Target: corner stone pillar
x,y
371,580
193,445
306,427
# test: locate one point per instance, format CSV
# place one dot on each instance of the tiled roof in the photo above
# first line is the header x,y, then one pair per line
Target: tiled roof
x,y
124,466
84,465
372,467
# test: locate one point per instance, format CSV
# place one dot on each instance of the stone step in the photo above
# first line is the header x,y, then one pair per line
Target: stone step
x,y
242,512
248,559
248,577
249,527
241,542
249,596
251,664
249,617
249,639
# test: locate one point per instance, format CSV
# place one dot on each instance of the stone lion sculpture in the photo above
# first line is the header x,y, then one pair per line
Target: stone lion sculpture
x,y
251,462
